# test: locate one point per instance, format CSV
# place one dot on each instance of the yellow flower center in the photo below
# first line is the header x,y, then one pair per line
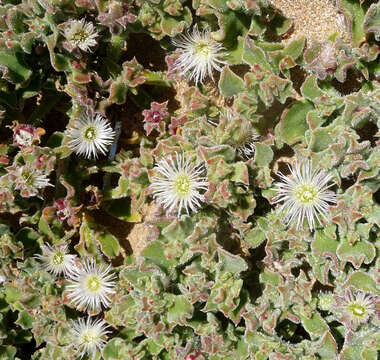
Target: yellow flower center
x,y
58,258
182,185
306,193
93,283
203,49
90,133
358,310
27,175
89,337
79,36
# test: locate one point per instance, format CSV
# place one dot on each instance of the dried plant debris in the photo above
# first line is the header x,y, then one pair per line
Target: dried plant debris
x,y
189,180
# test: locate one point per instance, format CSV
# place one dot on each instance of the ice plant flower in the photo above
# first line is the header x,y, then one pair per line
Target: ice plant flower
x,y
305,194
56,260
355,309
81,34
90,286
245,142
89,336
89,135
199,54
178,183
243,137
247,147
29,180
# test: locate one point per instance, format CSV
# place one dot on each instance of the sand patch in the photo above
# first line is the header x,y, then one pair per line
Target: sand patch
x,y
314,19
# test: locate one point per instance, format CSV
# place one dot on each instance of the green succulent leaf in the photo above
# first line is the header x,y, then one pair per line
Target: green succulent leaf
x,y
293,125
230,84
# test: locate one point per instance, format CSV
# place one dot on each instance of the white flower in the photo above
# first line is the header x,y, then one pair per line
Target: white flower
x,y
29,180
56,259
90,286
90,135
80,33
355,309
29,176
305,194
200,54
89,336
178,184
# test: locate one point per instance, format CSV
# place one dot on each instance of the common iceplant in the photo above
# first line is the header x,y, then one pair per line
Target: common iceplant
x,y
90,286
179,184
305,194
81,34
89,336
90,135
255,263
199,54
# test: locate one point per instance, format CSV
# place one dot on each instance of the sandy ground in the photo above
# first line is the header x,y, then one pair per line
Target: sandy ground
x,y
140,232
314,19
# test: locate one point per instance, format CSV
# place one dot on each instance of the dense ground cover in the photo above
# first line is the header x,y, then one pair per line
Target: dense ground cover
x,y
178,181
